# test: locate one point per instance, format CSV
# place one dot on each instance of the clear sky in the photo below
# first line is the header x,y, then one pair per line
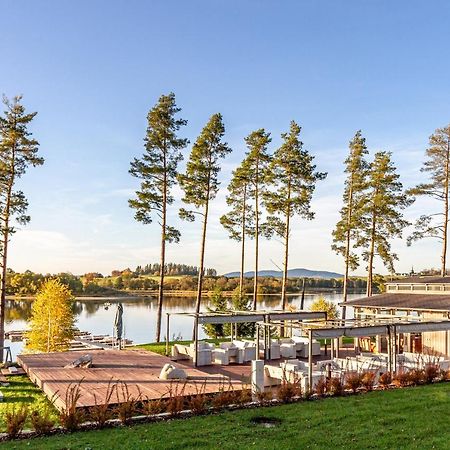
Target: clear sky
x,y
92,70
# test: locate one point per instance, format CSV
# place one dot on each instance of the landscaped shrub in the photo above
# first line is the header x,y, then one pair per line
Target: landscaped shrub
x,y
445,375
401,379
431,372
385,379
335,386
416,376
198,402
175,402
353,381
41,422
71,417
368,380
288,390
243,396
15,420
101,413
321,386
152,407
127,405
263,396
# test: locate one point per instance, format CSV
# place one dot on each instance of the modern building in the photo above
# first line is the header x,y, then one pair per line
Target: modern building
x,y
420,297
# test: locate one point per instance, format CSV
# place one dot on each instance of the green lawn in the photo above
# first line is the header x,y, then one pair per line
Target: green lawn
x,y
160,347
405,418
22,390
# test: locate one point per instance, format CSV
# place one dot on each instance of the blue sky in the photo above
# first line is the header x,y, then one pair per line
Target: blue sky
x,y
92,69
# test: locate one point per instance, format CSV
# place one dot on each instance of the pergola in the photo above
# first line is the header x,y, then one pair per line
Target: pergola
x,y
356,328
235,317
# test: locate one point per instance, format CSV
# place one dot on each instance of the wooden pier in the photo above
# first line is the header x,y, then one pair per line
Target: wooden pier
x,y
138,369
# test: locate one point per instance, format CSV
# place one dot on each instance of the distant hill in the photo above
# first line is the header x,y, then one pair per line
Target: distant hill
x,y
292,273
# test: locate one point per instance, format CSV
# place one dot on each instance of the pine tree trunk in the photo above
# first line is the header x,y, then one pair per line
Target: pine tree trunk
x,y
286,250
347,249
241,277
162,268
255,280
5,254
371,257
202,257
446,200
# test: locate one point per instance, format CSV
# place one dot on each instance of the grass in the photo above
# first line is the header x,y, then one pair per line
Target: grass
x,y
160,347
22,391
403,418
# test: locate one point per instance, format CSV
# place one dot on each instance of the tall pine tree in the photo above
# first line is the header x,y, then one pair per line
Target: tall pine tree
x,y
157,170
18,151
347,230
382,215
238,221
293,177
256,164
200,182
438,166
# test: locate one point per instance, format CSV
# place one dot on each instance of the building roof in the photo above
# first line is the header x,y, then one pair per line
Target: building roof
x,y
421,280
422,302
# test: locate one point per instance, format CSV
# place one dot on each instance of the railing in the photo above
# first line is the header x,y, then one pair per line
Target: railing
x,y
418,288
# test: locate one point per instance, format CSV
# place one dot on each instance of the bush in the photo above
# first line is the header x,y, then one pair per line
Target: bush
x,y
126,404
101,413
71,417
368,380
416,376
401,379
175,402
197,403
152,407
385,379
353,381
15,420
431,372
321,386
288,390
335,386
41,422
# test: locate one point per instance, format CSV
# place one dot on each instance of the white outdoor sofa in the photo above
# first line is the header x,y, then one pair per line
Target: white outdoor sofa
x,y
204,353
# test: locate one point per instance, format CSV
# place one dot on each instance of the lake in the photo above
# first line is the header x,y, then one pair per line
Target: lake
x,y
139,315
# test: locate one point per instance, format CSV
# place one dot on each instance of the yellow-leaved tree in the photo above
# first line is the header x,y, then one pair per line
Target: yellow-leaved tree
x,y
324,305
52,319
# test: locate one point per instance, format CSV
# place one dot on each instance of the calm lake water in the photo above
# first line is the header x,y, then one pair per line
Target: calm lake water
x,y
139,315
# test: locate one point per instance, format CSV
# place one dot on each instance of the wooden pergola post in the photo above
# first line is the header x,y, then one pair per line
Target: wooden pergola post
x,y
310,360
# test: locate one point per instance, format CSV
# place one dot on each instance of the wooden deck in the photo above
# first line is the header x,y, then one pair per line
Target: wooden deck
x,y
138,369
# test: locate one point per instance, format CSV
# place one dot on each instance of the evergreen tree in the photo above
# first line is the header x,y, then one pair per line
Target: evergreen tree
x,y
324,305
382,215
200,182
256,163
157,170
240,219
52,319
18,151
438,166
217,304
347,230
293,177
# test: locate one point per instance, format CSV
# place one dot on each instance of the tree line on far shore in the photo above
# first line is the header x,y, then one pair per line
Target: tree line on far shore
x,y
268,190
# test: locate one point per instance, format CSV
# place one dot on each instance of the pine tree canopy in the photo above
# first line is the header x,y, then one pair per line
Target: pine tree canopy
x,y
157,169
347,230
241,211
293,178
200,181
382,215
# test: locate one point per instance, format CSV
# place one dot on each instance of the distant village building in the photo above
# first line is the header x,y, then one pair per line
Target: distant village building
x,y
426,297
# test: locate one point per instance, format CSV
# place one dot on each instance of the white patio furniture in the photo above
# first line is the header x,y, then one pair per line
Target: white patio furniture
x,y
246,351
287,350
221,356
